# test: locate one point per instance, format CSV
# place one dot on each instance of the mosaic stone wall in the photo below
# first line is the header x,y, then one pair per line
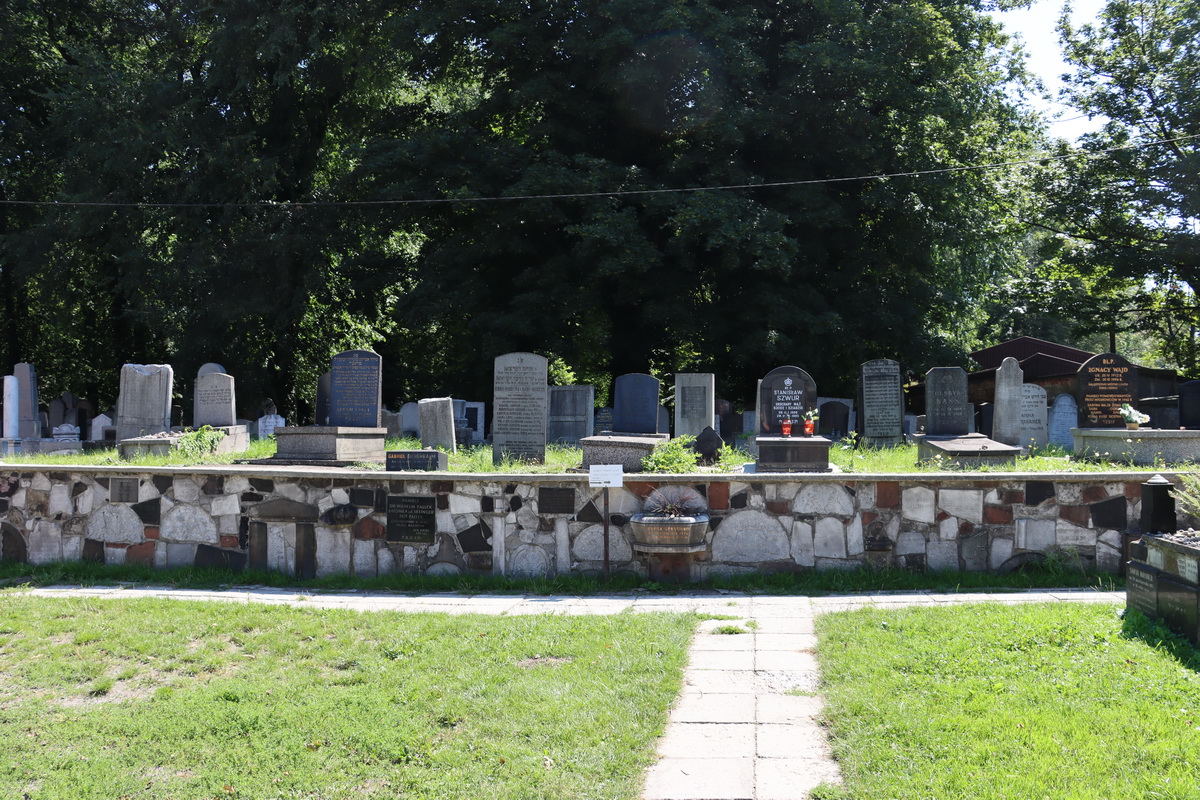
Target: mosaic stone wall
x,y
314,523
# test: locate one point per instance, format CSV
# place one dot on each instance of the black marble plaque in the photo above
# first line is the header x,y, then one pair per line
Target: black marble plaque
x,y
556,501
1141,589
1177,606
123,490
356,389
635,404
416,461
411,519
363,498
947,412
1106,382
785,393
792,454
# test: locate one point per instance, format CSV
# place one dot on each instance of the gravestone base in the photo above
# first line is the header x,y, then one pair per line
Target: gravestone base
x,y
15,447
160,445
1164,583
971,450
1143,446
626,449
792,454
237,438
328,443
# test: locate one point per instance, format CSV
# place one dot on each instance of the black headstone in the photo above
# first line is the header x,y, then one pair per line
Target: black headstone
x,y
785,393
947,412
411,519
708,445
356,389
1106,382
416,461
1141,589
1177,605
1189,405
635,404
834,419
881,403
603,420
323,388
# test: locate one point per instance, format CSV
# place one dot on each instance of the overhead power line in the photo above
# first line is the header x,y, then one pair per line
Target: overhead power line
x,y
1037,159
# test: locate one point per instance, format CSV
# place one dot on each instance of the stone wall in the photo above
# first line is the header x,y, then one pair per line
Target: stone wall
x,y
320,522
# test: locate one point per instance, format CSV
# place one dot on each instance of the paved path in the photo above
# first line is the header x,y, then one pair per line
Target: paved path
x,y
746,725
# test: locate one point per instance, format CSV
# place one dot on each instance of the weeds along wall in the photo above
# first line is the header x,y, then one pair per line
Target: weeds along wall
x,y
310,522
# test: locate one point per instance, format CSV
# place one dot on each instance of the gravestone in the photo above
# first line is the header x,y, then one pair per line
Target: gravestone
x,y
1006,411
695,402
1034,432
323,388
59,409
571,413
391,421
1063,416
100,423
410,420
603,420
144,402
268,423
635,404
947,412
214,402
29,422
12,407
1189,405
708,445
416,461
437,422
209,369
881,403
355,389
833,419
664,420
65,433
1106,382
462,430
729,423
520,404
784,393
476,413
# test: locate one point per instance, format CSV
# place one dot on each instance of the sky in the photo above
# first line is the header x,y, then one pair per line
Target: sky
x,y
1036,27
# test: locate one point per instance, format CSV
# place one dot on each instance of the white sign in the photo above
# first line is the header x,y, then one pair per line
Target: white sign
x,y
605,475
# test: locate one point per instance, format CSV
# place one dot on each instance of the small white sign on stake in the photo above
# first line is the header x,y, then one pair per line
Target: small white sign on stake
x,y
606,475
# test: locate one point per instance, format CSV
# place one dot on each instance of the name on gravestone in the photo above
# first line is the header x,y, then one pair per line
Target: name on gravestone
x,y
416,461
882,402
520,400
356,389
1141,589
635,403
411,519
1106,382
1034,431
947,412
785,393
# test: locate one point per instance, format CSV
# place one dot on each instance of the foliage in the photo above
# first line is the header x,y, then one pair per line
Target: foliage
x,y
1187,494
201,442
673,455
675,501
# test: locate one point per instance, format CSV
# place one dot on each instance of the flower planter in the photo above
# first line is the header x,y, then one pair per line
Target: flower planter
x,y
1133,426
655,533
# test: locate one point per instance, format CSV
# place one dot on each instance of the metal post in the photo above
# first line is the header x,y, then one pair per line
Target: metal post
x,y
606,534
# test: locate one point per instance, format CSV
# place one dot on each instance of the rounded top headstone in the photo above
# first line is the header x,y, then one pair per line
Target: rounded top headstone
x,y
209,369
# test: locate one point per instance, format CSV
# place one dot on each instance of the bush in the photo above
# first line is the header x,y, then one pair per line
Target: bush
x,y
674,455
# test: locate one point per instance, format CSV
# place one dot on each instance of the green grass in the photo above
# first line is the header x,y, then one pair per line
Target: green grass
x,y
1057,571
154,699
987,701
903,459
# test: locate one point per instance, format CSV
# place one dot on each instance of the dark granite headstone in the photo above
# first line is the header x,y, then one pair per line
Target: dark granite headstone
x,y
306,550
12,546
571,413
784,393
635,404
1177,605
356,389
1141,589
416,461
947,412
411,519
881,403
708,445
475,539
556,501
323,389
1106,382
1189,405
603,420
834,420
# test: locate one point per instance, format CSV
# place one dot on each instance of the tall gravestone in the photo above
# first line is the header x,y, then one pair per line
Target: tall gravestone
x,y
947,412
695,402
323,388
144,402
1006,410
355,389
881,403
1063,416
209,369
410,420
29,421
12,407
437,423
784,393
1189,405
520,402
1034,431
214,402
571,413
1106,382
635,404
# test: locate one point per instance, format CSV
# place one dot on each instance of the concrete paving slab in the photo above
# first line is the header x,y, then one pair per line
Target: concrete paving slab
x,y
700,779
789,642
722,659
791,779
714,708
708,740
722,642
803,740
720,681
785,625
783,709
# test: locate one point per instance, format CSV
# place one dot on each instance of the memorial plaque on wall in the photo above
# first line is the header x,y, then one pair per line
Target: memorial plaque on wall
x,y
411,519
356,389
416,461
1106,382
123,490
520,407
882,403
556,501
1177,605
1141,589
784,393
947,412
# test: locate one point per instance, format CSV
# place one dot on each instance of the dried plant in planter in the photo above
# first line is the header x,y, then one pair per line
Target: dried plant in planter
x,y
675,501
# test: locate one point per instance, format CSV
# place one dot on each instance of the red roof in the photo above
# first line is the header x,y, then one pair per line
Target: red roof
x,y
1024,347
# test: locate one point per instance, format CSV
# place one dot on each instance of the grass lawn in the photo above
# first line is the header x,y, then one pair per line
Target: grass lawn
x,y
164,699
989,701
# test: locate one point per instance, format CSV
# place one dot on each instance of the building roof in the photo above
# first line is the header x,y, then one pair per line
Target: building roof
x,y
1024,347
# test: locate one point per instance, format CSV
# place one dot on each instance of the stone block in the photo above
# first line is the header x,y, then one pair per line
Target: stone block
x,y
823,499
589,544
948,529
181,554
115,524
942,556
854,537
1068,535
363,558
45,542
974,552
226,504
333,551
527,561
188,524
750,536
1002,550
909,543
186,490
60,499
1037,535
917,504
962,503
803,552
829,538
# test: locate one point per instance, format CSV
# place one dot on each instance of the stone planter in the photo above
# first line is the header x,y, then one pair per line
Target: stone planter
x,y
661,534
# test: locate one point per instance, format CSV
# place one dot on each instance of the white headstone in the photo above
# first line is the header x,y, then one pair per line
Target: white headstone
x,y
65,433
144,403
410,420
520,403
695,402
99,423
1006,413
11,407
437,422
1064,415
1034,432
268,423
215,402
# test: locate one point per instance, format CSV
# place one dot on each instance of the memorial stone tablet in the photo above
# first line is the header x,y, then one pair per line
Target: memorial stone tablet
x,y
411,519
144,402
1189,405
1177,605
882,403
1141,589
947,412
1006,411
1034,431
604,420
1106,382
416,461
123,490
635,404
214,402
520,407
695,402
571,413
784,393
29,425
356,389
1063,416
556,501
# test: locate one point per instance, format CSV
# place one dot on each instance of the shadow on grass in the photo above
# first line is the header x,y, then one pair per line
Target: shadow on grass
x,y
1156,634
